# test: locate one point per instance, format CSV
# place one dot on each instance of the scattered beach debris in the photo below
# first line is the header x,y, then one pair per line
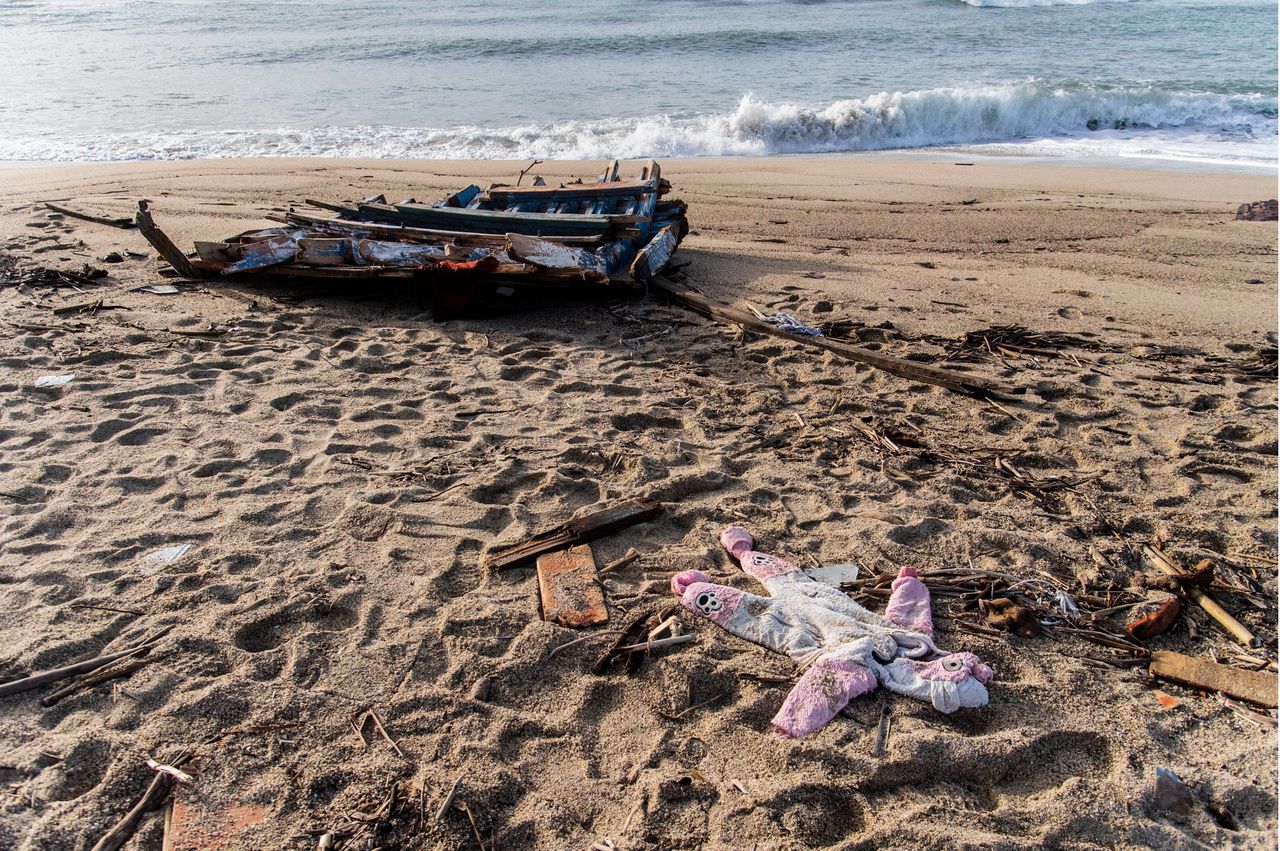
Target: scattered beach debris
x,y
835,574
1166,700
1157,558
569,588
122,832
1254,686
159,289
1007,616
1171,794
1154,616
54,380
591,236
959,382
158,558
580,530
1257,211
122,222
649,625
36,680
848,651
122,668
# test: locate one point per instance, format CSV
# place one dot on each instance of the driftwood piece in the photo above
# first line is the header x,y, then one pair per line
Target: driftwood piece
x,y
122,222
958,382
37,680
161,242
1254,686
115,838
1156,557
569,589
578,531
96,678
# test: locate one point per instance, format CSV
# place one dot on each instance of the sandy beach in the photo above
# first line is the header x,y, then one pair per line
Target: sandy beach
x,y
340,466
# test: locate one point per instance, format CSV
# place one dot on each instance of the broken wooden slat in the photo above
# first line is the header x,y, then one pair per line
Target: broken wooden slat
x,y
1238,631
160,242
220,253
411,234
1254,686
122,222
574,191
570,592
268,252
326,252
578,531
551,255
655,256
958,382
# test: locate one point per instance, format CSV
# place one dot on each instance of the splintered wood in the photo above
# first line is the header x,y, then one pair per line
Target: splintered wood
x,y
571,594
1254,686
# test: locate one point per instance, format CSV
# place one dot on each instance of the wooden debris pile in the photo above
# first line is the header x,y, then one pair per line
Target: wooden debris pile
x,y
609,233
1012,341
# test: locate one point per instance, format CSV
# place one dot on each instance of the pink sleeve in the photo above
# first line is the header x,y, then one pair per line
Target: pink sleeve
x,y
909,604
822,692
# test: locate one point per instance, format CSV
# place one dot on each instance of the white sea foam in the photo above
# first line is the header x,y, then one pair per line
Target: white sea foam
x,y
1021,4
1033,113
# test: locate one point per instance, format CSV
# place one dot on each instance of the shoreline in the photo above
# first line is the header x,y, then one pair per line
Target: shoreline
x,y
942,154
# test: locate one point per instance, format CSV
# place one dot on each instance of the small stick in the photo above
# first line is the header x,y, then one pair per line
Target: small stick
x,y
1237,630
662,627
661,642
621,562
93,679
474,828
117,836
448,799
569,644
37,680
689,709
359,730
377,723
105,609
882,732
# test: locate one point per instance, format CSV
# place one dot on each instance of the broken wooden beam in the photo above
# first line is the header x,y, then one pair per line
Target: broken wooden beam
x,y
570,591
161,243
1254,686
958,382
122,222
1157,558
578,531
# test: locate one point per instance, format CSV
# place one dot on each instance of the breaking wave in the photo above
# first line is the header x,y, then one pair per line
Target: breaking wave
x,y
1239,127
1024,4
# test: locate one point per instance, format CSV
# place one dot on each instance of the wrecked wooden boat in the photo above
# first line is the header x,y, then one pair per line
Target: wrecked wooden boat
x,y
611,233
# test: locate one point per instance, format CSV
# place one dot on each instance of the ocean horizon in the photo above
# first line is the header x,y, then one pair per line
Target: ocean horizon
x,y
1180,81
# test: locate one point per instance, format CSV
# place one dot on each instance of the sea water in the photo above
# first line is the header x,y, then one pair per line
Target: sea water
x,y
1186,80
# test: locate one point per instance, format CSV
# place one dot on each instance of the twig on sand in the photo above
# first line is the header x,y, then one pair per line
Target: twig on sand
x,y
105,609
124,829
448,799
377,724
661,642
37,680
474,827
882,731
93,679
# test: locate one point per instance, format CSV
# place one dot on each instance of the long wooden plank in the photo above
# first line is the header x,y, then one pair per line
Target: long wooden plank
x,y
578,531
569,191
411,234
699,303
122,222
268,252
1255,686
